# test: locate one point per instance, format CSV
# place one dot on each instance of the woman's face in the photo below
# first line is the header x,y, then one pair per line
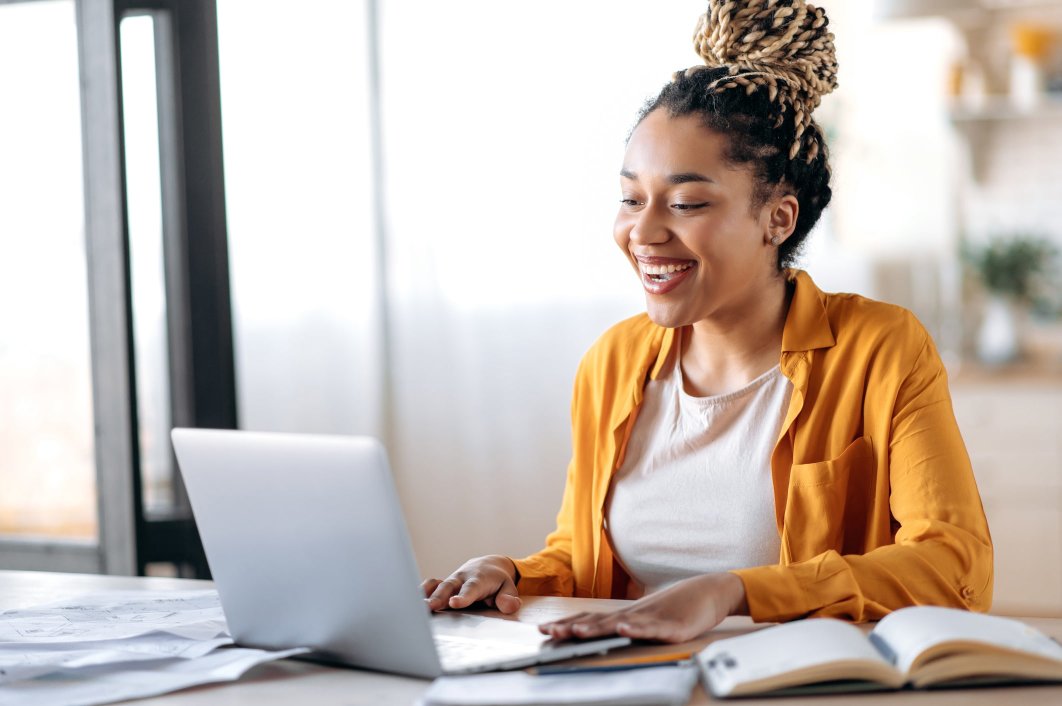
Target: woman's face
x,y
687,224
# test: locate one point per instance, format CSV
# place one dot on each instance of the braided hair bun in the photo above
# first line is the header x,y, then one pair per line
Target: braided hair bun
x,y
782,46
767,65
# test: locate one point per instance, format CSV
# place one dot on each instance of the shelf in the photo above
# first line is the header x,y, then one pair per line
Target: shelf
x,y
955,9
1001,108
976,125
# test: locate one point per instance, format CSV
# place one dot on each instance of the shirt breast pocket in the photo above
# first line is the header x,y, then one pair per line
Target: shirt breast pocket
x,y
816,506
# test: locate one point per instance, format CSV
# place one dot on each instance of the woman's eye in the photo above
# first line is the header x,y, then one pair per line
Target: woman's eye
x,y
688,206
629,202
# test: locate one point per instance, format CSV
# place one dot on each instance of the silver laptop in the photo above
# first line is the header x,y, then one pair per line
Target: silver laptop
x,y
306,541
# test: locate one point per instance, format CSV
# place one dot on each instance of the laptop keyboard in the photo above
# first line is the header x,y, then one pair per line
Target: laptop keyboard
x,y
458,654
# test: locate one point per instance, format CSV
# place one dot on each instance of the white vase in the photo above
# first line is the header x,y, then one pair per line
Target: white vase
x,y
997,339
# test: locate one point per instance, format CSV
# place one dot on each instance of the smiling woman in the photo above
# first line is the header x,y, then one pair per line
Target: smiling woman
x,y
751,444
700,224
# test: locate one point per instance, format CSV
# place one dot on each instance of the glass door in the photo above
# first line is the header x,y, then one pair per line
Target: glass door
x,y
47,445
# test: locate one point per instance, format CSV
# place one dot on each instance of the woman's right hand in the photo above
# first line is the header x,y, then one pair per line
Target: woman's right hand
x,y
491,579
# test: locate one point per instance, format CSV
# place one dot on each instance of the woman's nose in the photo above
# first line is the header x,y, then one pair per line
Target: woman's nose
x,y
649,227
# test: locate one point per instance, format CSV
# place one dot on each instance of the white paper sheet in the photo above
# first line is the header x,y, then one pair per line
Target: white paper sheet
x,y
116,615
109,683
27,661
634,687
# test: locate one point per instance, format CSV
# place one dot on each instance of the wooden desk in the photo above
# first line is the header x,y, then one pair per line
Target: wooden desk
x,y
290,682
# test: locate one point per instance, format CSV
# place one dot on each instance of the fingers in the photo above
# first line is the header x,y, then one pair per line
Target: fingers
x,y
597,625
507,600
677,613
563,629
440,596
628,623
472,590
639,626
428,586
488,579
555,625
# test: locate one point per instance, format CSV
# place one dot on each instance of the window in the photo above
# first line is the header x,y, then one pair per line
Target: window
x,y
47,468
140,123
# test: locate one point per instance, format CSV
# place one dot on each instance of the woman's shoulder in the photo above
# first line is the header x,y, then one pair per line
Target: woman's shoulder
x,y
858,311
630,345
633,332
861,322
819,319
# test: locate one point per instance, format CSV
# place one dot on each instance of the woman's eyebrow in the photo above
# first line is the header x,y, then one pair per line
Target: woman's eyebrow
x,y
686,177
682,178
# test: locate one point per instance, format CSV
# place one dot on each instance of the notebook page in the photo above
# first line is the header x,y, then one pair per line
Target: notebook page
x,y
808,648
911,631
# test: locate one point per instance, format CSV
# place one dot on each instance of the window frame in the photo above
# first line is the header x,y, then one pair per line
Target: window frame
x,y
199,325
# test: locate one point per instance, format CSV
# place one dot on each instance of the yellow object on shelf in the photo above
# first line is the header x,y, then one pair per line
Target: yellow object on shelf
x,y
1031,41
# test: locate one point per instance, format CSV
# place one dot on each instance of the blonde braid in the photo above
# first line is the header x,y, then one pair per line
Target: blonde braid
x,y
778,45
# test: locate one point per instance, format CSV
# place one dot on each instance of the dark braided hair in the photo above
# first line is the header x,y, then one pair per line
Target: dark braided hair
x,y
768,63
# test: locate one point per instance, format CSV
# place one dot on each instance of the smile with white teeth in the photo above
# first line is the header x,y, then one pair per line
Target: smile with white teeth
x,y
662,273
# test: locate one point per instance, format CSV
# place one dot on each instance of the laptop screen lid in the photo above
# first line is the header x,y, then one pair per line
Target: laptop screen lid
x,y
306,542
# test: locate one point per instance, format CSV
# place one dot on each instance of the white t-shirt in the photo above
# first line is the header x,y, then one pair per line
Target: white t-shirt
x,y
694,492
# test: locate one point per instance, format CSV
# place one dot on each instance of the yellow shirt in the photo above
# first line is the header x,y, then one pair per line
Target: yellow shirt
x,y
875,500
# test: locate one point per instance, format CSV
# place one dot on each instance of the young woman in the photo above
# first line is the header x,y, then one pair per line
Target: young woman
x,y
752,445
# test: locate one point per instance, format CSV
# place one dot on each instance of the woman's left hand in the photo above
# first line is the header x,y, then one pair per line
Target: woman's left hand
x,y
678,613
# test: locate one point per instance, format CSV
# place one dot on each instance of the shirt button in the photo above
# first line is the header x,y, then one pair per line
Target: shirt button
x,y
967,592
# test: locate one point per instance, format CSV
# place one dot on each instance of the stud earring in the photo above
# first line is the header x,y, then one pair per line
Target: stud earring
x,y
775,239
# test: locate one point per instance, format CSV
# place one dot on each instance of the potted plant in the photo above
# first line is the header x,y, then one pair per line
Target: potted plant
x,y
1018,272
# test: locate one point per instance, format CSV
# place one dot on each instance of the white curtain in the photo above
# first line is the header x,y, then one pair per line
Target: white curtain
x,y
503,132
504,127
299,190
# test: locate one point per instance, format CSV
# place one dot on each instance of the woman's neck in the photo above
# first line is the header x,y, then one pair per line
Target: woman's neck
x,y
724,354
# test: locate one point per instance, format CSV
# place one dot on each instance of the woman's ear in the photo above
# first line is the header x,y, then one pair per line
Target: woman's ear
x,y
782,218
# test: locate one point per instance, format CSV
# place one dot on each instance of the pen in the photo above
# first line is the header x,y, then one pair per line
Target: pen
x,y
661,660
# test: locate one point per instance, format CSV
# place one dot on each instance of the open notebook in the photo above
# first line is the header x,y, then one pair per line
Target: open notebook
x,y
920,647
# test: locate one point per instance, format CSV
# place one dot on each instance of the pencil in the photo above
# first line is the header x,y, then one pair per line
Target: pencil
x,y
655,657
